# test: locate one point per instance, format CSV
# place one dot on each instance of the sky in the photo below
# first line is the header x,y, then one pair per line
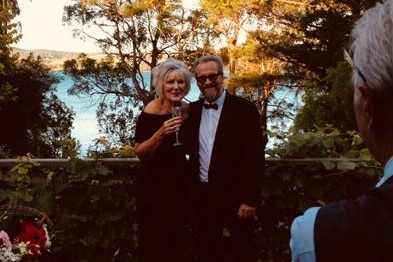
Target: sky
x,y
42,27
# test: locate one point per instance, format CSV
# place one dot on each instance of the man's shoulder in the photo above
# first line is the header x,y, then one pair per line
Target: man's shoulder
x,y
376,204
235,98
373,197
195,103
359,228
240,102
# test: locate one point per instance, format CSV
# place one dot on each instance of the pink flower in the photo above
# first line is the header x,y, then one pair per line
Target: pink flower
x,y
5,238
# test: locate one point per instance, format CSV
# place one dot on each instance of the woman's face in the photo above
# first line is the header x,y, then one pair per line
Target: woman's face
x,y
174,86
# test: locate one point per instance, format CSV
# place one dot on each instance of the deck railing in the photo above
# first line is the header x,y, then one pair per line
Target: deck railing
x,y
9,162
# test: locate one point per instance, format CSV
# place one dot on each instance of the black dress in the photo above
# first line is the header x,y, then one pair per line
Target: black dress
x,y
162,195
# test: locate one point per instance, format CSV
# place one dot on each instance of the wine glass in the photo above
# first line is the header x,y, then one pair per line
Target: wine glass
x,y
176,111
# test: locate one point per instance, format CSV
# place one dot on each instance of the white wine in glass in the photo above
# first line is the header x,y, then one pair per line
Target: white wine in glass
x,y
176,111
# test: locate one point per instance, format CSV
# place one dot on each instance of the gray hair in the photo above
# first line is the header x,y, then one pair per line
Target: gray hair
x,y
160,72
209,58
372,47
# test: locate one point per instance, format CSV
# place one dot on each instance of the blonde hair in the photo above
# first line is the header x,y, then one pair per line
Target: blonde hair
x,y
160,71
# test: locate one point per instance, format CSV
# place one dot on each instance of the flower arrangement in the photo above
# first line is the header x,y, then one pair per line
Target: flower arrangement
x,y
30,241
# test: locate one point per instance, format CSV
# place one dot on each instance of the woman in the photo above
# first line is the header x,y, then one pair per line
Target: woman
x,y
162,183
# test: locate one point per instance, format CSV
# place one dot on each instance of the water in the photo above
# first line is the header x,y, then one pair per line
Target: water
x,y
85,128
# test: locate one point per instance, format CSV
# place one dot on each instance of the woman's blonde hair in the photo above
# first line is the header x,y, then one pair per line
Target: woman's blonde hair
x,y
160,72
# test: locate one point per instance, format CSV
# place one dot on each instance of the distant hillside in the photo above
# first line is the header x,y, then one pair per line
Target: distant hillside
x,y
54,59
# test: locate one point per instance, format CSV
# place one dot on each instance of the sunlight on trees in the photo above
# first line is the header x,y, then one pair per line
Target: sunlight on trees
x,y
268,47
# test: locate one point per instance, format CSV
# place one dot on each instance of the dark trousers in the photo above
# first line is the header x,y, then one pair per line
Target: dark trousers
x,y
221,235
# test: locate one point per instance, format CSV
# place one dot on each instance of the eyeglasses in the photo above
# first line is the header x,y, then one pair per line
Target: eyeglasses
x,y
211,77
348,58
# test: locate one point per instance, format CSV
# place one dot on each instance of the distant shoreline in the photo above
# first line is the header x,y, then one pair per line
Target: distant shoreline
x,y
54,59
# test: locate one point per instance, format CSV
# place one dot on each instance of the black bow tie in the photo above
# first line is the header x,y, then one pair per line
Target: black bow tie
x,y
210,106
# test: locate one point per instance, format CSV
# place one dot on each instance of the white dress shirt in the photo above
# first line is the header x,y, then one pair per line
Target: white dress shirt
x,y
302,228
207,133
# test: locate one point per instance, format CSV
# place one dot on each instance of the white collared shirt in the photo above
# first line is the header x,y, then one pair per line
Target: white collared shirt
x,y
207,133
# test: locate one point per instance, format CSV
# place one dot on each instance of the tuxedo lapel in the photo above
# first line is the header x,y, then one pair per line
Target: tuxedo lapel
x,y
193,123
224,122
198,113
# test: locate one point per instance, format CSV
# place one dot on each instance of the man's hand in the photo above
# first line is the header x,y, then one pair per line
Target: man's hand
x,y
245,211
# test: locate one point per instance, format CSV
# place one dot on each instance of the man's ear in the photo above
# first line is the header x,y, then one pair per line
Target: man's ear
x,y
368,104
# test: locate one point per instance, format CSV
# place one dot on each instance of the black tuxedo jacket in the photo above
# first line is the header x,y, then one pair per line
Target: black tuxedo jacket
x,y
357,230
236,165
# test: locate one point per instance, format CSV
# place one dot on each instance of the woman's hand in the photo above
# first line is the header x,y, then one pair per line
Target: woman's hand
x,y
171,125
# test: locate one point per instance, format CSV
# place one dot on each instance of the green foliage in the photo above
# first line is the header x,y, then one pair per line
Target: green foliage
x,y
291,187
103,149
309,40
341,94
69,148
311,37
134,40
92,207
107,82
8,32
92,204
95,214
311,169
37,121
229,18
333,106
8,36
324,142
4,153
26,184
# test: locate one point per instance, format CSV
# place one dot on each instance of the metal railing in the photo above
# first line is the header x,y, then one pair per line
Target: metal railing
x,y
50,162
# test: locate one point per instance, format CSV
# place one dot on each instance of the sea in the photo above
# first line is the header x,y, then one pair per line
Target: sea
x,y
85,127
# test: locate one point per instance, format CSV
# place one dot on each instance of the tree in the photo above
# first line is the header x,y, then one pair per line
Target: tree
x,y
135,36
260,79
230,18
309,35
8,35
327,108
309,39
32,119
35,121
107,81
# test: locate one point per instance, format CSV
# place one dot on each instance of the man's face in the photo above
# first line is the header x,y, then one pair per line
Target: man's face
x,y
209,80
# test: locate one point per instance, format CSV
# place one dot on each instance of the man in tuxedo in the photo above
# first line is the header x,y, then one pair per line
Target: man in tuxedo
x,y
360,229
226,154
